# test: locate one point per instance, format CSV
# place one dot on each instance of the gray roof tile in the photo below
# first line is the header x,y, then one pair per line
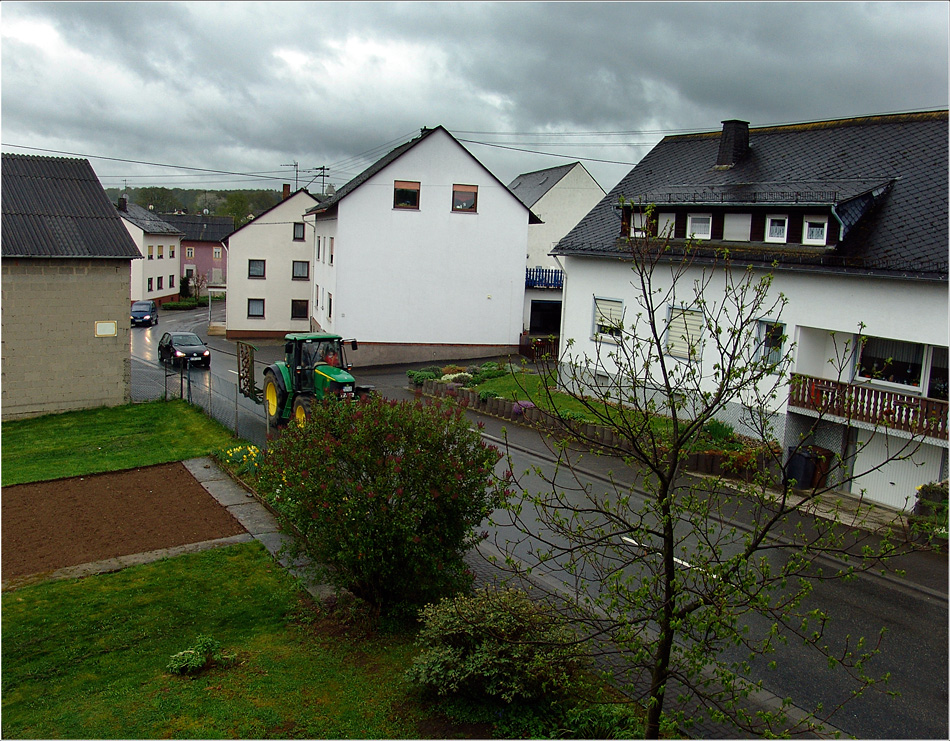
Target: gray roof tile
x,y
201,228
905,233
148,221
531,186
56,207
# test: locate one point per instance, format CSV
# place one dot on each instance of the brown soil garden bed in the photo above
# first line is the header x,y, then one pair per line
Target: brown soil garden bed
x,y
54,524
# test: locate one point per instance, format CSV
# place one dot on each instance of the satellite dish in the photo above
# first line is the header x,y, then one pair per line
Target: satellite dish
x,y
151,207
205,212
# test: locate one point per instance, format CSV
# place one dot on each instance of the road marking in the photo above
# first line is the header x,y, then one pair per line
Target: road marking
x,y
631,541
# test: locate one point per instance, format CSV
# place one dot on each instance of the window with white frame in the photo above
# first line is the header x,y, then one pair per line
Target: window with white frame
x,y
331,251
736,227
255,308
699,226
684,333
161,252
608,318
217,253
161,280
815,230
171,281
638,221
771,342
318,249
298,231
189,252
776,228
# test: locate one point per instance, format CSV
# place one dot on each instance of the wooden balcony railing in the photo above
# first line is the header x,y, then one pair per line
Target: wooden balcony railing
x,y
861,403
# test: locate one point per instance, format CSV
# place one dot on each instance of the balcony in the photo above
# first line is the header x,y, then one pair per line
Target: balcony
x,y
543,278
859,403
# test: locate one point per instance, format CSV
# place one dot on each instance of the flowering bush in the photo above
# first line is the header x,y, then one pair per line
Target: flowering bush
x,y
386,494
242,459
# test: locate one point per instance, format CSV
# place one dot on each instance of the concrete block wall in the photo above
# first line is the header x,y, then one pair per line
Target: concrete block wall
x,y
52,360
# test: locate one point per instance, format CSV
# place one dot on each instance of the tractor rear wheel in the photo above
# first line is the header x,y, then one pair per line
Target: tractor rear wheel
x,y
302,409
274,398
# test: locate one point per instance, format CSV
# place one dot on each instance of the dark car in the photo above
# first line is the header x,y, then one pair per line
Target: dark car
x,y
174,347
144,313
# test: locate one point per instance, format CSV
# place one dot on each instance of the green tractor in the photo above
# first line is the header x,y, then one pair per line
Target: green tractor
x,y
314,367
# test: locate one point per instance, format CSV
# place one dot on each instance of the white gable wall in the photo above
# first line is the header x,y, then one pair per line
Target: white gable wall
x,y
167,268
270,237
429,276
561,209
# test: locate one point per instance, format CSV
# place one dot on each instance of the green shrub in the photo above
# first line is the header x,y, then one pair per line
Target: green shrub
x,y
387,496
930,516
418,377
449,370
205,652
496,644
486,395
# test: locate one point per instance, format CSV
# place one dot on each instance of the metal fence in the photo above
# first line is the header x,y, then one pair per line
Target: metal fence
x,y
217,396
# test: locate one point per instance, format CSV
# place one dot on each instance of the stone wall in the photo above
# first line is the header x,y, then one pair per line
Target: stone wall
x,y
52,360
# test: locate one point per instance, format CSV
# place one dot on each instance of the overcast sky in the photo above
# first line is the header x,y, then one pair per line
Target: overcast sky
x,y
254,87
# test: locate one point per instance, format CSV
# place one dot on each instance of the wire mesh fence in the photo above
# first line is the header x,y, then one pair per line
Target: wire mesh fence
x,y
218,396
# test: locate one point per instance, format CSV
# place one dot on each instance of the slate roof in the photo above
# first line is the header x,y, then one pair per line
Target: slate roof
x,y
886,176
201,228
54,207
387,159
531,186
148,221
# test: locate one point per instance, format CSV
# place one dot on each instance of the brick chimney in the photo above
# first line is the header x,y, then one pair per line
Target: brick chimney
x,y
123,202
733,143
286,191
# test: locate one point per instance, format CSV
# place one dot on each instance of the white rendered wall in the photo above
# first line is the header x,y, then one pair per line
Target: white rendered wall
x,y
144,269
270,237
561,208
429,276
913,311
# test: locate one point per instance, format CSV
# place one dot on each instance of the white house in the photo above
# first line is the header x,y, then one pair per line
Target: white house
x,y
850,219
560,197
421,256
269,269
156,276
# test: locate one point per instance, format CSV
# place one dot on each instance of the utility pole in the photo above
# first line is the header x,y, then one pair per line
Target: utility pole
x,y
321,172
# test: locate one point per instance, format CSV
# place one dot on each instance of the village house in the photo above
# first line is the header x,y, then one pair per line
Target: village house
x,y
66,272
850,218
156,277
421,257
203,246
560,197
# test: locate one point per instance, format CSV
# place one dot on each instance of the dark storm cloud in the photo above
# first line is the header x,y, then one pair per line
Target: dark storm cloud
x,y
251,86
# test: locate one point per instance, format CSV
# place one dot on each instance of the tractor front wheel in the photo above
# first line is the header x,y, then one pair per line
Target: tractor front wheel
x,y
274,399
302,409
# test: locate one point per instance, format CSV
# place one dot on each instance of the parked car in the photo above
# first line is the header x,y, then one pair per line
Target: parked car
x,y
174,347
144,313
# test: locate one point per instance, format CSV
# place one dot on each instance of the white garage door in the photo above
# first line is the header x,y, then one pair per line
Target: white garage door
x,y
895,483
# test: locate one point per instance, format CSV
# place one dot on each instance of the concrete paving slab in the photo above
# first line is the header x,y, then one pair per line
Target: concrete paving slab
x,y
228,493
205,469
254,517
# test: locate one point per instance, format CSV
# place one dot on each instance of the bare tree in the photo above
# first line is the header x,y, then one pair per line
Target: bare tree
x,y
689,580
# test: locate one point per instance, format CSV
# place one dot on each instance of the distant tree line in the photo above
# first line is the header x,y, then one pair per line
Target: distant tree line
x,y
237,203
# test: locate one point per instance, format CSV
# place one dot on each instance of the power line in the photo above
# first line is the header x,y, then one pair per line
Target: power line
x,y
550,154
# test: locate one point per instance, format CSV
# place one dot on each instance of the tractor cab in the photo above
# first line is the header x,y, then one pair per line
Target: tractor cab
x,y
319,364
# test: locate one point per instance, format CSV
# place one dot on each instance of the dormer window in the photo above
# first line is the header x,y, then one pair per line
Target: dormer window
x,y
776,228
699,226
815,230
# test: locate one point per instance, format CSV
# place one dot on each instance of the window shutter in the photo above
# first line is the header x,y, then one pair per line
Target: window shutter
x,y
608,316
684,334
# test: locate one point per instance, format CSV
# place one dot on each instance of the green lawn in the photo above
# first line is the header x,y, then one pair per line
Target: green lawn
x,y
107,439
86,658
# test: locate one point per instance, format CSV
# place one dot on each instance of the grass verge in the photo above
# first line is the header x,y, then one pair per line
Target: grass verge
x,y
87,658
107,439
